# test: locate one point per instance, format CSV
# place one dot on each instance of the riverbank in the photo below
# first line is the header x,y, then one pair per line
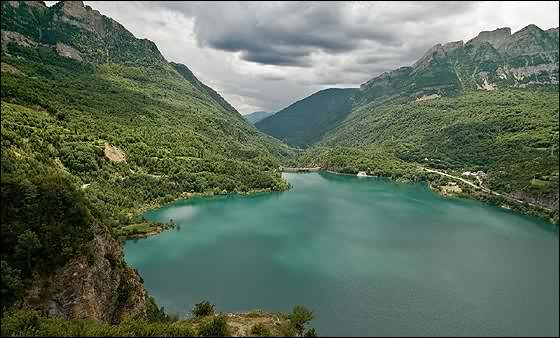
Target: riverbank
x,y
452,186
443,187
147,228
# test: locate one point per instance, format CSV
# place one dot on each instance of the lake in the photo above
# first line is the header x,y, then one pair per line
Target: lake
x,y
368,256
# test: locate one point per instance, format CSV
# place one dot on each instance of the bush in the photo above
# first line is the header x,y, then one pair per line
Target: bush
x,y
310,333
260,330
203,309
216,327
299,317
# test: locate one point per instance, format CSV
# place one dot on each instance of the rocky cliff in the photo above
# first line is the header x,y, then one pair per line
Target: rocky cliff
x,y
98,286
76,31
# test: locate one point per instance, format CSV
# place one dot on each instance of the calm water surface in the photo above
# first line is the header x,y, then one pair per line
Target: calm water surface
x,y
368,256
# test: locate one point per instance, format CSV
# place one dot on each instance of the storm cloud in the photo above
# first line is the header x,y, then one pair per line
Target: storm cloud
x,y
267,55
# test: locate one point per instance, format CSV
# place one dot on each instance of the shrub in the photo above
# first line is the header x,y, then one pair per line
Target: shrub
x,y
216,327
260,330
310,333
299,317
203,309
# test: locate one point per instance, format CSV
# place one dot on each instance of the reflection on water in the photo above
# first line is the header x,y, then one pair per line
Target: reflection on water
x,y
369,256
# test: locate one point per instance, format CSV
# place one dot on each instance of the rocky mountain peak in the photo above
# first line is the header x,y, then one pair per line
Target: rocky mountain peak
x,y
74,9
496,38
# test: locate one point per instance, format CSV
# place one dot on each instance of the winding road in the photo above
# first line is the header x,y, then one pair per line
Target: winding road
x,y
485,189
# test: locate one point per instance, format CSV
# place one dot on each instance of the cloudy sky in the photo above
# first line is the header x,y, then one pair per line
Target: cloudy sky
x,y
266,55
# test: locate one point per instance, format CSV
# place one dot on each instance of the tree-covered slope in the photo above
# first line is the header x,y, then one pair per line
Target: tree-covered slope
x,y
96,127
257,116
511,134
303,122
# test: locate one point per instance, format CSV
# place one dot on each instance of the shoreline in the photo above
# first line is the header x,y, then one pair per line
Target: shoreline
x,y
158,228
515,206
521,208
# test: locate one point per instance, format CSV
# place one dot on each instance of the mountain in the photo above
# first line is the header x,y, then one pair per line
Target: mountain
x,y
490,104
97,127
257,116
303,122
491,61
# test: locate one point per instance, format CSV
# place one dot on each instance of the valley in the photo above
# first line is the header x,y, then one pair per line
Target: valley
x,y
121,168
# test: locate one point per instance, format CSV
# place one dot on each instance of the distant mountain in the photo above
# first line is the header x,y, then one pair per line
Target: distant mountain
x,y
492,60
257,116
305,121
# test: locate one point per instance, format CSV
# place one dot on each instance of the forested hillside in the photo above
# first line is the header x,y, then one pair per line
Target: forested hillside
x,y
96,127
305,121
257,116
512,135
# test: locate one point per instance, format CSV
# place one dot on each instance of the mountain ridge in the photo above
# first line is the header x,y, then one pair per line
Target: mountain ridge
x,y
492,60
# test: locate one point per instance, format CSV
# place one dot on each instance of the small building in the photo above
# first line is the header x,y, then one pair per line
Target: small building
x,y
467,173
361,174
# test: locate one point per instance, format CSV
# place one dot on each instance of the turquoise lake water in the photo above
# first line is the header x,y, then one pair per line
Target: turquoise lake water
x,y
368,256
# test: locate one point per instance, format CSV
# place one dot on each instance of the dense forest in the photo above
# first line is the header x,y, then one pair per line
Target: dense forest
x,y
512,135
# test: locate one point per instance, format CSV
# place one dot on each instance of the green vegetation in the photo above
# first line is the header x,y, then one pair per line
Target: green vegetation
x,y
203,309
376,160
35,323
299,318
260,330
214,327
303,122
257,116
512,135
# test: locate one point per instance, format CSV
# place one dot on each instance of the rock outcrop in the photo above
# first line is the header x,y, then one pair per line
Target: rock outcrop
x,y
82,33
98,286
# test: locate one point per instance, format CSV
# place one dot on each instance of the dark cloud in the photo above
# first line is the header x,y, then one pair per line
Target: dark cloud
x,y
287,33
273,77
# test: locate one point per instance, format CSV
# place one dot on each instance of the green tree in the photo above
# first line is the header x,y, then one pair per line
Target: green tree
x,y
203,309
11,284
310,333
27,245
299,317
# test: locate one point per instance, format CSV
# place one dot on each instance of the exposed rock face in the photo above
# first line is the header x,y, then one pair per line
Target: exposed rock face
x,y
91,288
496,37
10,69
427,97
75,13
492,60
97,39
67,51
114,153
15,37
